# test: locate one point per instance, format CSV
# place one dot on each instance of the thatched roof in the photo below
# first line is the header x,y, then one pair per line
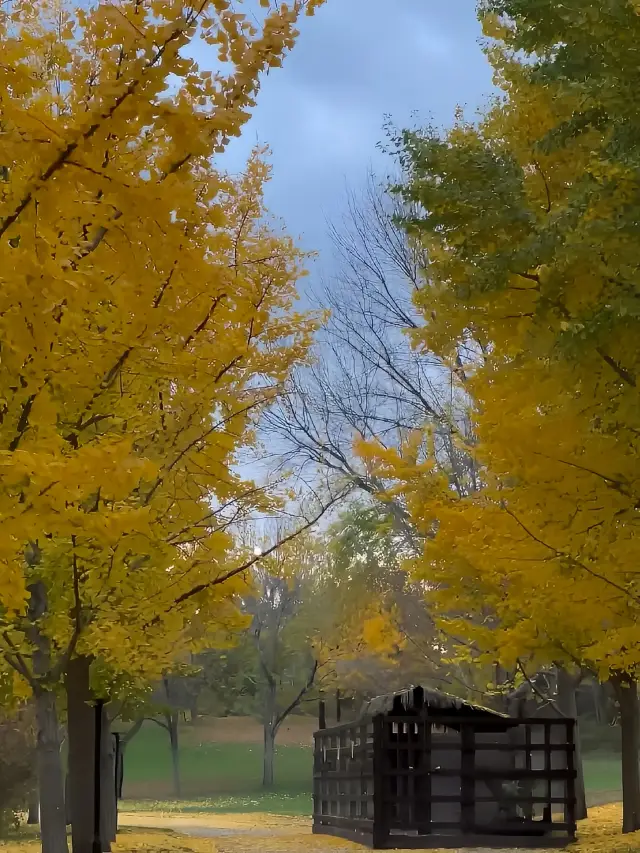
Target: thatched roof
x,y
417,696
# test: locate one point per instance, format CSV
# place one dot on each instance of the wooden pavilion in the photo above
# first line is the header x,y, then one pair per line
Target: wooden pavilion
x,y
422,769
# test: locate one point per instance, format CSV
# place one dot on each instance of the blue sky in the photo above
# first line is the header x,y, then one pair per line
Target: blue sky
x,y
356,61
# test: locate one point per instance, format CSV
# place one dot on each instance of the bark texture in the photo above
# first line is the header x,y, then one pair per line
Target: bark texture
x,y
50,776
33,816
626,690
53,825
567,705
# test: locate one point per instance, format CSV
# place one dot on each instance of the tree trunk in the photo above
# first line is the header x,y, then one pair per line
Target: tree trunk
x,y
125,740
270,729
172,720
81,732
596,691
33,817
172,727
193,710
269,754
67,799
108,801
129,735
626,690
566,701
53,825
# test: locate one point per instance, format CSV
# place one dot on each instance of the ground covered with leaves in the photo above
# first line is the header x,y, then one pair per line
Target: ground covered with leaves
x,y
599,834
206,833
129,841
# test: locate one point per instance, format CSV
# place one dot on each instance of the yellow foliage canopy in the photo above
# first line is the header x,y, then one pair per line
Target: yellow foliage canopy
x,y
146,317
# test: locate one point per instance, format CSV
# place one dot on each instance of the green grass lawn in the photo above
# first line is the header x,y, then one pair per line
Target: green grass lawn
x,y
226,777
275,803
602,777
209,769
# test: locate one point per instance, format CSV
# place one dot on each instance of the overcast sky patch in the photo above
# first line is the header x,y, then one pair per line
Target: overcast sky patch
x,y
322,114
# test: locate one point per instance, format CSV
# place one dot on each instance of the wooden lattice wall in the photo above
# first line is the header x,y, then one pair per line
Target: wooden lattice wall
x,y
433,781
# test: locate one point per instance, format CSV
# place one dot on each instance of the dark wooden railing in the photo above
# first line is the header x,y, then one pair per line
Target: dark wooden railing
x,y
343,780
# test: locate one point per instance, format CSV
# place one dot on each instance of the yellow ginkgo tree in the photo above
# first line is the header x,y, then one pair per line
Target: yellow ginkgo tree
x,y
528,220
146,318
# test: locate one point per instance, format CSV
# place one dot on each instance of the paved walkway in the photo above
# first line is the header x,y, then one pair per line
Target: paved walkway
x,y
245,833
299,844
251,833
219,825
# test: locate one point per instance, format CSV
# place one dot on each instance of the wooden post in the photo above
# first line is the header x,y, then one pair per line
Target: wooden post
x,y
97,767
528,808
570,788
81,754
425,787
338,708
467,778
418,698
317,779
548,808
117,774
380,828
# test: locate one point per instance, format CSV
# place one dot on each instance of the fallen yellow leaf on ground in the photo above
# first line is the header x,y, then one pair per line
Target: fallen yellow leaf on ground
x,y
257,833
161,842
277,834
599,834
141,841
